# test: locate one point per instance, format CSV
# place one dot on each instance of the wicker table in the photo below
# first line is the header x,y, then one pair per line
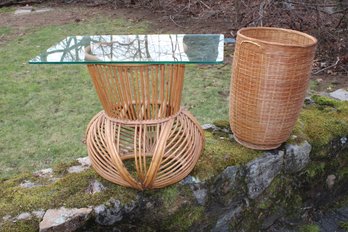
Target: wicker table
x,y
142,138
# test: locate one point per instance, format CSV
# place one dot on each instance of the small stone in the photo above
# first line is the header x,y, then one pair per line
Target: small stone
x,y
64,219
323,64
340,94
42,10
85,161
109,215
201,196
293,137
296,157
53,179
38,213
226,181
149,205
24,10
222,225
261,172
189,180
231,137
95,187
271,219
28,184
23,216
77,169
44,173
100,208
330,181
6,217
226,186
331,218
209,127
309,101
129,207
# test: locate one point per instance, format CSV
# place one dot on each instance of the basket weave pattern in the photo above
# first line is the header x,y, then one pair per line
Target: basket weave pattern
x,y
271,69
138,92
142,139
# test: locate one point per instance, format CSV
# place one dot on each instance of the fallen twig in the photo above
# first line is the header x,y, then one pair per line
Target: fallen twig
x,y
331,66
172,18
205,5
221,66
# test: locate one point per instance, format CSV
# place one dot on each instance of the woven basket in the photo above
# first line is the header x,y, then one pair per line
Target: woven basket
x,y
270,76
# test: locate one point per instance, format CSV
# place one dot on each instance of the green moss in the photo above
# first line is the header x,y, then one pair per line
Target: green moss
x,y
297,135
309,228
222,124
68,191
184,218
169,196
14,181
20,226
344,225
271,193
278,194
61,168
220,135
247,221
324,101
322,126
313,85
218,154
279,198
314,169
265,204
343,172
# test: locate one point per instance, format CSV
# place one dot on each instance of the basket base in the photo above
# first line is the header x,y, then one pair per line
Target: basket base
x,y
256,146
144,154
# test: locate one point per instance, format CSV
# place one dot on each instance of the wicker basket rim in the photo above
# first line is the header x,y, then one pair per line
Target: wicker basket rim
x,y
314,40
145,121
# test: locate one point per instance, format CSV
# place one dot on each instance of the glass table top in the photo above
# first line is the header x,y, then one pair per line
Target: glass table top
x,y
136,49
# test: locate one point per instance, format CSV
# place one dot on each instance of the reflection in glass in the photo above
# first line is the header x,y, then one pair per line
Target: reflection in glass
x,y
195,44
176,48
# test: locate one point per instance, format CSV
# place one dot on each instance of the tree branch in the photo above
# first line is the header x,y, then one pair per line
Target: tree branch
x,y
15,2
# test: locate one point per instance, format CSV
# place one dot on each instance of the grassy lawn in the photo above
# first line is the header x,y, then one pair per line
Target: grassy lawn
x,y
44,109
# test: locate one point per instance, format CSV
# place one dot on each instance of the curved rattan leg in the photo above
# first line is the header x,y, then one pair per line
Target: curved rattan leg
x,y
157,153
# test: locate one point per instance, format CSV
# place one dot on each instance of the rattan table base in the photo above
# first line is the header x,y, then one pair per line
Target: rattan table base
x,y
144,154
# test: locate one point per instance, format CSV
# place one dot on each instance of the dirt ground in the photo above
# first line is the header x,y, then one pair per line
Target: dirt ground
x,y
326,81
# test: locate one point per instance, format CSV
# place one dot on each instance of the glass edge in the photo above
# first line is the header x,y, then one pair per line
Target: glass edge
x,y
102,62
197,62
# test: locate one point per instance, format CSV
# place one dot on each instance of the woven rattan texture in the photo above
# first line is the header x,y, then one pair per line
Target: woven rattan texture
x,y
270,76
142,139
144,155
138,92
